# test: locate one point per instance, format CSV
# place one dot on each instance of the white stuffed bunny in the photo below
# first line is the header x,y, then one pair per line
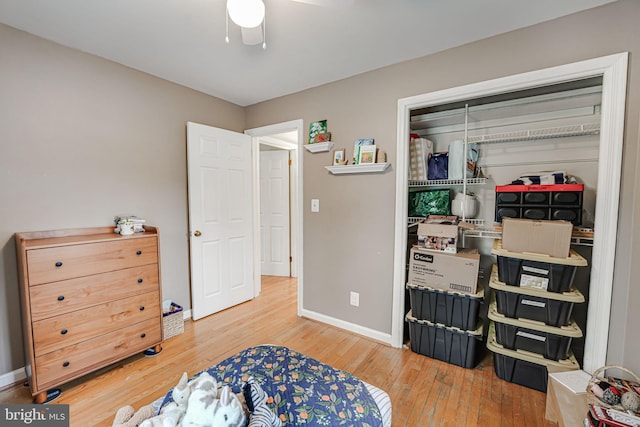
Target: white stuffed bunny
x,y
172,413
229,412
202,402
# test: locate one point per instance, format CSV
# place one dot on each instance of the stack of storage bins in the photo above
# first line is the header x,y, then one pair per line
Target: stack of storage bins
x,y
446,325
531,328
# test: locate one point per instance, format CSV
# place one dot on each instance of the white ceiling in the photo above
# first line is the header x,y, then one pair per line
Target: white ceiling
x,y
307,45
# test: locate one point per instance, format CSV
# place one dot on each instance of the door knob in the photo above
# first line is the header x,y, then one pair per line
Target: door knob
x,y
197,233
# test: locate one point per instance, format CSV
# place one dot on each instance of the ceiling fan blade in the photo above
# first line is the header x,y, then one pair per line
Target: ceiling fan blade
x,y
327,3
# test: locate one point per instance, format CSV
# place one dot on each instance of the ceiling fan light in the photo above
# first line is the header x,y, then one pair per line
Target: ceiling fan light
x,y
246,13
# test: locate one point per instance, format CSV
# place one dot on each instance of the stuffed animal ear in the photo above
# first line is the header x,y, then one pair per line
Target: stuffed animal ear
x,y
183,381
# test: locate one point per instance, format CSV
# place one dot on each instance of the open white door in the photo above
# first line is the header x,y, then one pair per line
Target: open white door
x,y
274,213
220,218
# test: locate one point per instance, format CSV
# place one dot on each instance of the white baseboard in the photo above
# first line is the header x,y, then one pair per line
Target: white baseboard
x,y
186,314
13,377
351,327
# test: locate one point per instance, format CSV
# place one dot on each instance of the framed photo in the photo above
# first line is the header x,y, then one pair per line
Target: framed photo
x,y
367,154
316,128
338,157
356,147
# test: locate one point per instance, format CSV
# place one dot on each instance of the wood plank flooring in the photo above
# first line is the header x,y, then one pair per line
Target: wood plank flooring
x,y
424,391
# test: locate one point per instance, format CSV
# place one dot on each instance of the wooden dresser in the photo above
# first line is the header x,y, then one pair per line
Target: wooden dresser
x,y
89,298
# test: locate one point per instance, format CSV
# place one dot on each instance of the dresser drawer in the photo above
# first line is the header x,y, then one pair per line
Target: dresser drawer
x,y
53,299
77,326
76,360
66,262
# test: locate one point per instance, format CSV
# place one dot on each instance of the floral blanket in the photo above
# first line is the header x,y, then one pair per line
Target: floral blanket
x,y
301,390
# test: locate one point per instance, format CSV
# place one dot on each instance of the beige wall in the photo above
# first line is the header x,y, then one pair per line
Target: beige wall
x,y
83,139
349,243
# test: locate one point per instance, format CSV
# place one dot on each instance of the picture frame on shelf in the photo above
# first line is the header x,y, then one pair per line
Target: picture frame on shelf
x,y
367,154
339,157
356,147
316,128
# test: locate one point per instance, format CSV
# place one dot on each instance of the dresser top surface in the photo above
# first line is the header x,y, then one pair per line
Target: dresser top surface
x,y
43,239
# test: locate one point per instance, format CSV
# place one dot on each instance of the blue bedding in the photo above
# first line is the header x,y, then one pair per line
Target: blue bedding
x,y
301,390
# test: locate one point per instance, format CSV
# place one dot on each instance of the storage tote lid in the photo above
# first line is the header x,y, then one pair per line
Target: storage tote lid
x,y
571,330
568,364
574,258
573,295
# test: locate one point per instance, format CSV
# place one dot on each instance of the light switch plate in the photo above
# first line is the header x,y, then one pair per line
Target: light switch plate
x,y
315,205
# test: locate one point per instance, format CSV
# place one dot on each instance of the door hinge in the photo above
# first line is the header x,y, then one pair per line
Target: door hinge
x,y
290,162
290,259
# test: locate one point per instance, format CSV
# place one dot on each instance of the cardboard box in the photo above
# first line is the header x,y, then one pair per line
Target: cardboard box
x,y
440,233
450,272
551,238
566,398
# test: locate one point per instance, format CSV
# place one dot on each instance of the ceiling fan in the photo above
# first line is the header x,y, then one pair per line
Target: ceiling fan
x,y
249,15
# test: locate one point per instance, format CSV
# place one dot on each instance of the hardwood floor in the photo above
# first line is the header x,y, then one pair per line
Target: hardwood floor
x,y
424,391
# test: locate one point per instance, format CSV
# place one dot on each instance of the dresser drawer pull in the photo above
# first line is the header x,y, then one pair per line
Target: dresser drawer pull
x,y
142,308
59,264
64,332
140,280
61,298
65,364
138,252
142,335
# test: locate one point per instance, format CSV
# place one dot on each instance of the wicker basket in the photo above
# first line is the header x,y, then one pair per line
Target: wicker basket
x,y
173,321
598,376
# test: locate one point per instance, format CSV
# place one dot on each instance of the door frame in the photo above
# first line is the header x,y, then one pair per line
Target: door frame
x,y
261,135
613,70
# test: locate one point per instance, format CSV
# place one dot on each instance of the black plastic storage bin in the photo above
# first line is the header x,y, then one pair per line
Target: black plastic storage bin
x,y
553,309
536,270
451,345
524,368
549,341
546,201
447,308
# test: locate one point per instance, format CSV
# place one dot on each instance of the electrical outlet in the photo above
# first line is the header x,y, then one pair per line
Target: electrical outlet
x,y
355,299
315,205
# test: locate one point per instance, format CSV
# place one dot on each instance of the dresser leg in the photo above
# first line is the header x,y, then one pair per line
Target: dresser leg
x,y
40,397
153,351
47,396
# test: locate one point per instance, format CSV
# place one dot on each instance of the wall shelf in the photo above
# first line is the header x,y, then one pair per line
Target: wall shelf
x,y
318,147
446,182
367,168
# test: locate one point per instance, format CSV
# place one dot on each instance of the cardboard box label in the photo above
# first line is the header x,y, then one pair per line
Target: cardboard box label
x,y
449,272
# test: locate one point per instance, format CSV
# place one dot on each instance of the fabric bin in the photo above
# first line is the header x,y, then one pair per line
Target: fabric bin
x,y
173,321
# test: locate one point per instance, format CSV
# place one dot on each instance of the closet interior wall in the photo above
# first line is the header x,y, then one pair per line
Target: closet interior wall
x,y
552,128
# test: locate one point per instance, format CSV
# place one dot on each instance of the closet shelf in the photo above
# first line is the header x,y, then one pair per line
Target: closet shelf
x,y
577,238
441,182
536,134
474,221
318,147
366,168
